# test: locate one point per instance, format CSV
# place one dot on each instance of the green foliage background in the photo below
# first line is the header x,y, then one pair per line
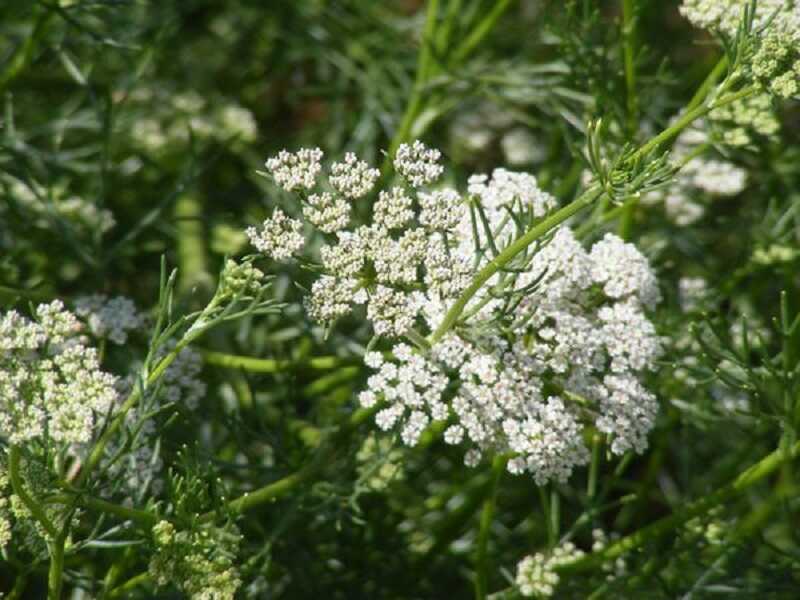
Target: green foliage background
x,y
78,77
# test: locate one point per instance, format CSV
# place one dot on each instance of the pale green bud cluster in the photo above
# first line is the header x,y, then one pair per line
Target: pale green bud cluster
x,y
536,575
776,63
199,562
241,279
739,122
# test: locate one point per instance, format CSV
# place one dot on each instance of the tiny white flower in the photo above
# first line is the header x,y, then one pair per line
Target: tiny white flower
x,y
298,170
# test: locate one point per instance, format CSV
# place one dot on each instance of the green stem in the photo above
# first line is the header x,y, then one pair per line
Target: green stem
x,y
200,325
686,119
191,244
555,511
629,55
487,516
248,501
415,101
115,572
426,67
19,587
123,591
480,31
713,77
18,486
594,467
330,381
268,365
445,31
56,570
142,517
454,522
765,467
282,487
14,293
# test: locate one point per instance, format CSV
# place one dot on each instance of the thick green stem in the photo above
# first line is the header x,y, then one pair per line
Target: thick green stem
x,y
629,58
142,517
268,365
56,571
686,119
124,590
594,467
709,82
765,467
487,516
426,66
191,244
480,31
19,587
424,69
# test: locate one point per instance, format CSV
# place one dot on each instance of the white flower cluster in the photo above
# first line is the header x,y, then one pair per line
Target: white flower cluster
x,y
380,264
574,352
508,189
418,164
536,574
296,170
196,561
775,64
327,212
353,178
280,236
51,383
111,318
725,15
576,340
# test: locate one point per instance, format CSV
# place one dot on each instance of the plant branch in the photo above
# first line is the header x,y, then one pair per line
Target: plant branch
x,y
759,471
142,517
502,259
284,486
487,516
268,365
18,486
